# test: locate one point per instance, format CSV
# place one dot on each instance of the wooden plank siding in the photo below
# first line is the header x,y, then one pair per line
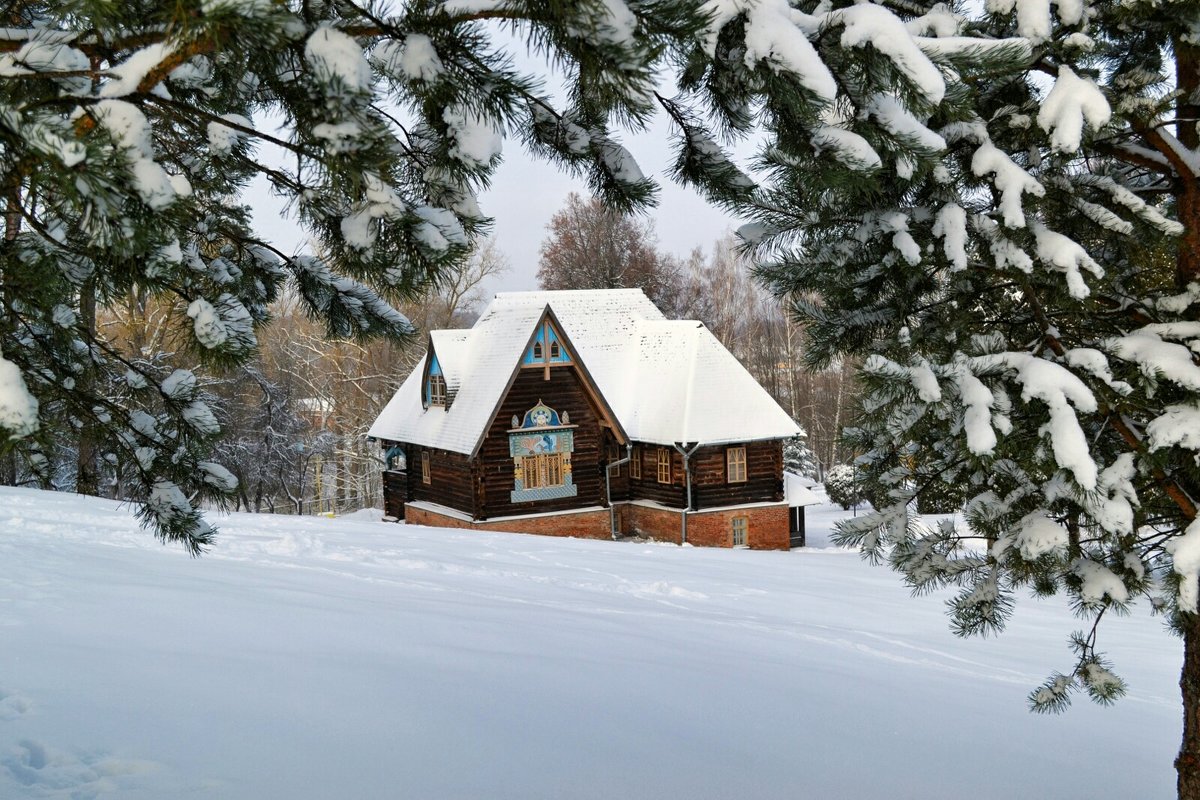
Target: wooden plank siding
x,y
618,476
563,391
648,487
764,476
395,492
451,478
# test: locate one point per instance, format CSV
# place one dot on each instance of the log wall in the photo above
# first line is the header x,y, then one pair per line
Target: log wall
x,y
764,477
451,478
395,493
563,392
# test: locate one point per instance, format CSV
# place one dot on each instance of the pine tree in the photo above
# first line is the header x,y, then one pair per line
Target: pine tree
x,y
798,456
841,486
128,130
998,212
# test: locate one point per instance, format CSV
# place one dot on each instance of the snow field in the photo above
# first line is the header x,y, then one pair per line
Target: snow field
x,y
317,658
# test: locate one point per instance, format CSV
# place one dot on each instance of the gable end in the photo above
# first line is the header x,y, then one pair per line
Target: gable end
x,y
548,322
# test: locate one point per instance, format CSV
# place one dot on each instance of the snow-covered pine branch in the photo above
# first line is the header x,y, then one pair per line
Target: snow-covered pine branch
x,y
129,133
995,211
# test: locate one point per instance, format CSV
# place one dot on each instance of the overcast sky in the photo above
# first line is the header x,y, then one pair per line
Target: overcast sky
x,y
525,193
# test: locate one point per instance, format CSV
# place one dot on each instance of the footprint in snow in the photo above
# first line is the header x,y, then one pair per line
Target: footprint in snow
x,y
45,771
13,706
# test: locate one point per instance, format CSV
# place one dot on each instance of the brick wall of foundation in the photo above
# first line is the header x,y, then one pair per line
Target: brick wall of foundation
x,y
583,525
767,526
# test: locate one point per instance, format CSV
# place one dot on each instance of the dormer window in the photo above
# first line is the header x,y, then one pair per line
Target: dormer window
x,y
437,390
435,384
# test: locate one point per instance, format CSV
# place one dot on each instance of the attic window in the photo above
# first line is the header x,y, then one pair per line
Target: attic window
x,y
437,390
537,351
555,350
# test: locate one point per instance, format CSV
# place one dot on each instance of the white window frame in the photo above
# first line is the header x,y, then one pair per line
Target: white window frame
x,y
735,464
739,531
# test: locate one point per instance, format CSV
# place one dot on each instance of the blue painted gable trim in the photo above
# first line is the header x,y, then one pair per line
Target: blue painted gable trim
x,y
544,343
434,369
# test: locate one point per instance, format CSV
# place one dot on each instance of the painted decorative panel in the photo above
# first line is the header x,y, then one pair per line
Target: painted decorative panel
x,y
562,441
540,445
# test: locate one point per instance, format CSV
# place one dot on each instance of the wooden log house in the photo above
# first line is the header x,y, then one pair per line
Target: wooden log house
x,y
587,413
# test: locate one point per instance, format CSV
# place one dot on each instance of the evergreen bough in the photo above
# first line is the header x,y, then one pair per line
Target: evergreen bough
x,y
996,211
128,131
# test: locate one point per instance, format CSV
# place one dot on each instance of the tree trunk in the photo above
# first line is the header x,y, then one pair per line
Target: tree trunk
x,y
12,227
87,476
1187,77
836,435
1188,763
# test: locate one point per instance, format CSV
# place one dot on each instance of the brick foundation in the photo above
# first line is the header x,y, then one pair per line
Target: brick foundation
x,y
582,525
767,526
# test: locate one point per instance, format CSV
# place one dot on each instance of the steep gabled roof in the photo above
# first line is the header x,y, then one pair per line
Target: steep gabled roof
x,y
665,381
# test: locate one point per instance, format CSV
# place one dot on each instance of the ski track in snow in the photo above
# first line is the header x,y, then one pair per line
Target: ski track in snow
x,y
548,634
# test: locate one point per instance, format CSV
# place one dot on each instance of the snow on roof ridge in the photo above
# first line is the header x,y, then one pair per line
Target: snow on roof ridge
x,y
593,292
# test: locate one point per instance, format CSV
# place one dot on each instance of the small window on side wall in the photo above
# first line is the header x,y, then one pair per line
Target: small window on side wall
x,y
664,465
635,464
425,476
735,465
739,527
612,452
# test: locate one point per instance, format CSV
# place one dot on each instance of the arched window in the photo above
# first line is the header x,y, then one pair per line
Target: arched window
x,y
537,351
555,350
735,465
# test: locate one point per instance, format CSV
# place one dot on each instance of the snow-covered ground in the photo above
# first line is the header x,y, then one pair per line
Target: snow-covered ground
x,y
348,658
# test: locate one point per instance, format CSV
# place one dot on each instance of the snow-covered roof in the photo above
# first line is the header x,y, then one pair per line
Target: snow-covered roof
x,y
797,491
665,381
